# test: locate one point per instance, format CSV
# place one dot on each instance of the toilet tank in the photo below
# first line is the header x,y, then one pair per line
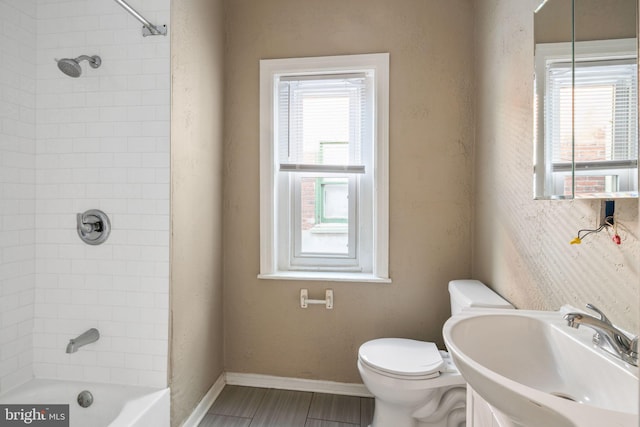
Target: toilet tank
x,y
473,293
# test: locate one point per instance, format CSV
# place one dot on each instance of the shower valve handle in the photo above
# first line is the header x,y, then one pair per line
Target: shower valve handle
x,y
88,226
93,226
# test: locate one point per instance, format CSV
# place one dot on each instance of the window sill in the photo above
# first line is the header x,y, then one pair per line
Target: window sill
x,y
325,276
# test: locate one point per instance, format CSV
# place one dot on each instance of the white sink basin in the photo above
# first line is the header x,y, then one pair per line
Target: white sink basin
x,y
537,371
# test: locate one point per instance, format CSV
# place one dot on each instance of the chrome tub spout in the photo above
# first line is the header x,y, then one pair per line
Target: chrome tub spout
x,y
92,335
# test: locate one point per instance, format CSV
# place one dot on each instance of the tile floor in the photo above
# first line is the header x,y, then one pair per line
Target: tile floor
x,y
260,407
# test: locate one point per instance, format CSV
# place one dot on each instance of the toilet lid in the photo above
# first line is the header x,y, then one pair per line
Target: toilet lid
x,y
399,356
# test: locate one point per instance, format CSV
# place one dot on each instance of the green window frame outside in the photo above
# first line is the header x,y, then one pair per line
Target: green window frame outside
x,y
321,184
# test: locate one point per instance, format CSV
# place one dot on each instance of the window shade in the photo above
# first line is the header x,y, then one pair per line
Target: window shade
x,y
605,115
321,120
558,111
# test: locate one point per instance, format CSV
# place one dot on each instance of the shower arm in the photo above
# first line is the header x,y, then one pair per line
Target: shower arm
x,y
149,29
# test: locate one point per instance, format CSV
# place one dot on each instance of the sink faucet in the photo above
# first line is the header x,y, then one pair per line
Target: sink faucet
x,y
608,337
83,339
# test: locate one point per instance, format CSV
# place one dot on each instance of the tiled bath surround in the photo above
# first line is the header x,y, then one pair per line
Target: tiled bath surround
x,y
17,189
100,141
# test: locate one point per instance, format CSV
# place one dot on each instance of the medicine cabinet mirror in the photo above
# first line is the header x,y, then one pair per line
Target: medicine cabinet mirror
x,y
586,99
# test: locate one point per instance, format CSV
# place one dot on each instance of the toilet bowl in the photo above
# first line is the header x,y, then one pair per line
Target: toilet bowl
x,y
414,383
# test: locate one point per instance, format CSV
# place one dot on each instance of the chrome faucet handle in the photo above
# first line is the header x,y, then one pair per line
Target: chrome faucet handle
x,y
604,318
93,226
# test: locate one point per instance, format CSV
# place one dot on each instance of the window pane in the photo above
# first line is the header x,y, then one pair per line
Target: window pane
x,y
325,216
335,201
315,112
558,112
605,111
325,118
592,128
596,184
562,132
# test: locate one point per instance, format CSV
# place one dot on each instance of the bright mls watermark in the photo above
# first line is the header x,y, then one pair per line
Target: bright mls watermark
x,y
34,415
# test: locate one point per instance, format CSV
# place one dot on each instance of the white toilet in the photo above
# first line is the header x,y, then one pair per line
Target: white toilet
x,y
415,384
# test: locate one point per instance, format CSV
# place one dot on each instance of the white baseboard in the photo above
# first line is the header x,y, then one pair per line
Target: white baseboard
x,y
201,410
297,384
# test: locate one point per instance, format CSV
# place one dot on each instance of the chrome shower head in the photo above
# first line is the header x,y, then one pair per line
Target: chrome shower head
x,y
71,67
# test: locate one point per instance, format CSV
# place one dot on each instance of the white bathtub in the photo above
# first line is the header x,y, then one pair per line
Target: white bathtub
x,y
113,405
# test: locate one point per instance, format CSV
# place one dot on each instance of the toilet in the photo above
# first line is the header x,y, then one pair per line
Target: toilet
x,y
414,383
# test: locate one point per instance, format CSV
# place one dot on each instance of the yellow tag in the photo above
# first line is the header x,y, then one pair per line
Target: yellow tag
x,y
576,241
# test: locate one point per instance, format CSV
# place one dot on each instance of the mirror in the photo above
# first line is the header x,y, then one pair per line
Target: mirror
x,y
586,99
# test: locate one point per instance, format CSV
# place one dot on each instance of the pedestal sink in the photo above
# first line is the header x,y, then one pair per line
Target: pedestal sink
x,y
537,372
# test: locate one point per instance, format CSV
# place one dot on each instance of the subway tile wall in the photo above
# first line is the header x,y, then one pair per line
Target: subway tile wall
x,y
102,142
17,189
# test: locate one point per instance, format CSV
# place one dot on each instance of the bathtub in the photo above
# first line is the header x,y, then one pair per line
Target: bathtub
x,y
113,405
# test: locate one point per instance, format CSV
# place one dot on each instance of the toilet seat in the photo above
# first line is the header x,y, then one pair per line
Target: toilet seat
x,y
402,358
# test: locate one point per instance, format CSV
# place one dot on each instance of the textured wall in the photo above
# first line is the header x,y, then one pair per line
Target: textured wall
x,y
17,189
196,349
521,246
431,132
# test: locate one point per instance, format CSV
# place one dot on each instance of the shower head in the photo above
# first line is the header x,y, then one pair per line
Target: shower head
x,y
71,67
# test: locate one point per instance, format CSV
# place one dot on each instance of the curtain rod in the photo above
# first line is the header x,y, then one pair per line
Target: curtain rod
x,y
149,29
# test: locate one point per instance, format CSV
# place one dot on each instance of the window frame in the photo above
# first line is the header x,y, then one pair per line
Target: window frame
x,y
276,219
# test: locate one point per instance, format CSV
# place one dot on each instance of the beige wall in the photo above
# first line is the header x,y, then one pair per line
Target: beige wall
x,y
196,342
521,246
431,117
595,20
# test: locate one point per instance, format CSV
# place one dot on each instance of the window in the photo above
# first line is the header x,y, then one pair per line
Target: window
x,y
590,118
323,168
604,126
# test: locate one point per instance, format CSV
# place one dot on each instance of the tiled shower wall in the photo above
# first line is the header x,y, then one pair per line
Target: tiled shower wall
x,y
102,142
17,189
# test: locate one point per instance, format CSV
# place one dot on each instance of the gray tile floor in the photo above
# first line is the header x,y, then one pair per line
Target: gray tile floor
x,y
260,407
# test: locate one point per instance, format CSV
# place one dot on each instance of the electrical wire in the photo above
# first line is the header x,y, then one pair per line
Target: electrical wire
x,y
607,223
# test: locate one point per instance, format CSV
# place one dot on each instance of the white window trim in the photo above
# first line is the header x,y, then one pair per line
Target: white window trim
x,y
268,238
